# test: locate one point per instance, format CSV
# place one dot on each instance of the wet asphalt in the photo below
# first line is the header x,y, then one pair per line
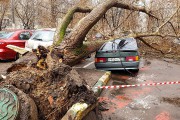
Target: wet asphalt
x,y
160,102
138,103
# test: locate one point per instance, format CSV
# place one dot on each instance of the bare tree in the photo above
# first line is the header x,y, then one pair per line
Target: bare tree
x,y
4,4
74,41
25,10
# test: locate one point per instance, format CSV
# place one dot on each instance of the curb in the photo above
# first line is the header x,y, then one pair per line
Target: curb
x,y
101,82
80,110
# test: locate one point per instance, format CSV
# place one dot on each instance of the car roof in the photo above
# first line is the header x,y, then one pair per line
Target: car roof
x,y
16,30
46,29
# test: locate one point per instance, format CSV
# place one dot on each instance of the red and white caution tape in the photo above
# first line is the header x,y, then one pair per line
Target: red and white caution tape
x,y
137,85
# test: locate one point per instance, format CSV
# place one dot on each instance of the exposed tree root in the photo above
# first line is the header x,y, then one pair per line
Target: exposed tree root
x,y
54,89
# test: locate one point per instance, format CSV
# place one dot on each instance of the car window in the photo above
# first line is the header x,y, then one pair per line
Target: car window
x,y
6,35
2,33
24,36
120,44
43,36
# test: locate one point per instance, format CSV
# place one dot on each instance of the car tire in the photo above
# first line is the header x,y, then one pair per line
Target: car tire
x,y
136,70
17,56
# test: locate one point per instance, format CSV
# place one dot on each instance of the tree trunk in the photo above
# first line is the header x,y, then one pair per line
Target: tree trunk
x,y
53,85
74,41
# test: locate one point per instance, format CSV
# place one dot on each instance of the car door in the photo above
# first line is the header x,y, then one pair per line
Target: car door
x,y
19,40
23,37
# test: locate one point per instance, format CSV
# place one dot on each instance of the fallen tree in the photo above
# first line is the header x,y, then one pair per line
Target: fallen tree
x,y
45,74
74,41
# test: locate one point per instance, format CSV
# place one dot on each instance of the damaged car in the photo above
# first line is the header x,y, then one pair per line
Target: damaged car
x,y
118,54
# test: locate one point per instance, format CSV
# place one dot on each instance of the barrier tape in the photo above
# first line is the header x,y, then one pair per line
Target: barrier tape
x,y
137,85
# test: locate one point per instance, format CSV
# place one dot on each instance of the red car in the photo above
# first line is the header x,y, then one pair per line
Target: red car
x,y
15,37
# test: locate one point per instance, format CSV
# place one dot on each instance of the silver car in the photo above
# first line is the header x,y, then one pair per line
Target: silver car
x,y
40,37
119,54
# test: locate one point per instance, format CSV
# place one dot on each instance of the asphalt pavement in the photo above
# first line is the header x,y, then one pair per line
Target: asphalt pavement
x,y
158,102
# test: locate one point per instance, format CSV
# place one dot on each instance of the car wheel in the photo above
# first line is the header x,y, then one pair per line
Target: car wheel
x,y
136,70
17,56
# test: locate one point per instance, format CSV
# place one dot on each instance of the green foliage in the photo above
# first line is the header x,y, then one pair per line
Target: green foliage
x,y
66,21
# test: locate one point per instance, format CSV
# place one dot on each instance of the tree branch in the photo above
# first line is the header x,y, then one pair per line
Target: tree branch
x,y
141,39
167,20
90,20
122,21
59,36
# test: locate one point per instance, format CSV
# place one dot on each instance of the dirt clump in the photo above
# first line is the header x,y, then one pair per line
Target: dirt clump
x,y
54,90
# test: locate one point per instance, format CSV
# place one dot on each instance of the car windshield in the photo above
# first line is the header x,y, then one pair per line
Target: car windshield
x,y
43,36
6,35
120,44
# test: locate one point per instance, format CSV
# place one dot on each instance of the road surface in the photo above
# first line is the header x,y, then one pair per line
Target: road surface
x,y
138,103
142,103
4,65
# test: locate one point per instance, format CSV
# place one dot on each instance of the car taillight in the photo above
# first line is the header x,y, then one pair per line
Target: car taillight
x,y
132,58
97,60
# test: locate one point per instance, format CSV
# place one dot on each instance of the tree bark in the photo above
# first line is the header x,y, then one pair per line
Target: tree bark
x,y
65,22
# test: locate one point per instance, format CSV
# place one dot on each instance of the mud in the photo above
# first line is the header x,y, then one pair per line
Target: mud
x,y
28,60
54,89
96,113
89,75
4,65
173,101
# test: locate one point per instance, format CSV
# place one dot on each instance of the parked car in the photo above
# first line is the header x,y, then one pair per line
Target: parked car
x,y
13,37
119,54
2,33
41,37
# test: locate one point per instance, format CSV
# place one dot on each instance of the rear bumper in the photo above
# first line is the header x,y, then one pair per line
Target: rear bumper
x,y
118,65
6,54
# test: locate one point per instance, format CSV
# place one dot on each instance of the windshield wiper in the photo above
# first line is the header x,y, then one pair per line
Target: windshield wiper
x,y
122,43
38,39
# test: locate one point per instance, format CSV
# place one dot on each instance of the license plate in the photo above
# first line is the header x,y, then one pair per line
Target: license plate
x,y
115,59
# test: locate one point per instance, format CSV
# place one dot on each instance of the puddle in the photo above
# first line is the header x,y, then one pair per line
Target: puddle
x,y
120,77
173,101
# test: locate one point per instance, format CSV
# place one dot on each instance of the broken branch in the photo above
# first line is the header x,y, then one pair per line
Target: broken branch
x,y
141,39
167,20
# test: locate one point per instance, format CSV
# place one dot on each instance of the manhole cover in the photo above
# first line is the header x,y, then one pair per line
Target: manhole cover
x,y
9,105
